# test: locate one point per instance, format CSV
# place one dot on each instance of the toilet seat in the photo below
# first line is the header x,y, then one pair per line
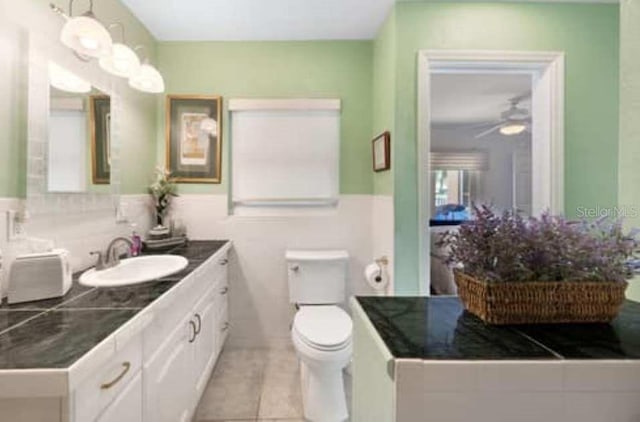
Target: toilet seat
x,y
323,327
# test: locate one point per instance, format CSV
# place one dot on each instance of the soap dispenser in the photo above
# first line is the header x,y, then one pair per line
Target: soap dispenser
x,y
136,241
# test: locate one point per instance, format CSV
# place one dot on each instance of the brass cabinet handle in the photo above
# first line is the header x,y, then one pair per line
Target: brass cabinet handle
x,y
224,290
199,324
195,334
126,366
223,261
225,327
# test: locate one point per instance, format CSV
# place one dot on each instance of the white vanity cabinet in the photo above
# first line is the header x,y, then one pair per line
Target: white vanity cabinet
x,y
176,375
153,368
170,358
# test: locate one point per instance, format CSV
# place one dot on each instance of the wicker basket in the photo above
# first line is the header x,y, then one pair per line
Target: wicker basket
x,y
540,302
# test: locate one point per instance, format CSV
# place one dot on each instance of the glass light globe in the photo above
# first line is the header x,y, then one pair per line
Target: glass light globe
x,y
148,79
512,129
123,61
86,36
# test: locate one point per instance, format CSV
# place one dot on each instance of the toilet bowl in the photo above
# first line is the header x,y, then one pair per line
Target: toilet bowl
x,y
321,335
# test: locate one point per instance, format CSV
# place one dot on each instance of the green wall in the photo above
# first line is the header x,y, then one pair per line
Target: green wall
x,y
587,33
33,20
13,110
341,69
629,173
384,80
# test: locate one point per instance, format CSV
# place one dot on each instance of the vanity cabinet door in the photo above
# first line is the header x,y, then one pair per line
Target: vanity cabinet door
x,y
168,377
205,342
127,406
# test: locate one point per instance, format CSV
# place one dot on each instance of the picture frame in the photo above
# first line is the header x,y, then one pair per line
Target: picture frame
x,y
381,152
193,129
100,131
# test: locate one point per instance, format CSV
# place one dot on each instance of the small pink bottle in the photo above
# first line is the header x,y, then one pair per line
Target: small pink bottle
x,y
136,242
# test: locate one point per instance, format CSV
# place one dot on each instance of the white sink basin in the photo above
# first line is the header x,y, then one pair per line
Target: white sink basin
x,y
134,270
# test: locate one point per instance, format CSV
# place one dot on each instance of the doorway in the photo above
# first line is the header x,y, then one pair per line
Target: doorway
x,y
490,130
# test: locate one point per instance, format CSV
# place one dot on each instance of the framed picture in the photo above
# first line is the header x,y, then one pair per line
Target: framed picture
x,y
381,152
100,128
194,138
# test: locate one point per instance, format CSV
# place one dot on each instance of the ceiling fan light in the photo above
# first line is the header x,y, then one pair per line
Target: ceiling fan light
x,y
64,80
86,36
123,61
513,129
147,79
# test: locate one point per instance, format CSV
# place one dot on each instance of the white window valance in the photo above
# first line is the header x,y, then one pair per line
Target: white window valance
x,y
459,160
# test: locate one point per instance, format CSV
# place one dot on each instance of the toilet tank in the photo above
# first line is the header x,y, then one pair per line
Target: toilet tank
x,y
317,277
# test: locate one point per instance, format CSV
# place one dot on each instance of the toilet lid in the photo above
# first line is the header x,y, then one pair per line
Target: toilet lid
x,y
322,325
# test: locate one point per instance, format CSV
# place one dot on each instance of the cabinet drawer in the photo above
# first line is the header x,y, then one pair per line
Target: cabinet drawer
x,y
217,267
128,405
221,298
106,382
223,326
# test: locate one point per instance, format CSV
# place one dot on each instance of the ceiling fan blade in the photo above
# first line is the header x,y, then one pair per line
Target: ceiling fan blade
x,y
521,97
487,132
486,124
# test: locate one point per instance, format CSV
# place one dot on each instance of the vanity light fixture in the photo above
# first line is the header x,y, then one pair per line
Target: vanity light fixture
x,y
148,79
64,80
85,35
514,128
88,38
123,61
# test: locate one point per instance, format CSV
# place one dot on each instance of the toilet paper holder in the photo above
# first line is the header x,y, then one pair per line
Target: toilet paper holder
x,y
383,260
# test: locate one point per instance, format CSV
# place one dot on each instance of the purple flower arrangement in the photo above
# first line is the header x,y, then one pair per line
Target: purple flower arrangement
x,y
509,247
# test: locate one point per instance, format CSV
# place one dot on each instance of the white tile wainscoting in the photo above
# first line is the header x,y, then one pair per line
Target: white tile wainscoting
x,y
78,231
260,310
382,231
572,391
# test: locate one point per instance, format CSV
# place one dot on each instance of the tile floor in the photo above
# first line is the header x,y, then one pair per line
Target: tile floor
x,y
254,385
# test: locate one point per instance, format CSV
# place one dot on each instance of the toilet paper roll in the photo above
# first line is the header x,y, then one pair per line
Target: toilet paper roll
x,y
377,277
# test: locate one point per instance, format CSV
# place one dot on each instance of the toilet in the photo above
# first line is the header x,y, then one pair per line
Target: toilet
x,y
321,330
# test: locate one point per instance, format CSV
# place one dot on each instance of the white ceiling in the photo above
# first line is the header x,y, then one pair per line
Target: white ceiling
x,y
261,19
230,20
474,98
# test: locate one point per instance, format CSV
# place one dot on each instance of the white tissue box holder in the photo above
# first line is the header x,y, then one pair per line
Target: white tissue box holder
x,y
39,276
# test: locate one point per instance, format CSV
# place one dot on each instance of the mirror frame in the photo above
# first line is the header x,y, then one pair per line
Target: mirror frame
x,y
39,200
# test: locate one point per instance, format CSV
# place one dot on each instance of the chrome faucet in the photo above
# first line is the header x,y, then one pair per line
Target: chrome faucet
x,y
111,258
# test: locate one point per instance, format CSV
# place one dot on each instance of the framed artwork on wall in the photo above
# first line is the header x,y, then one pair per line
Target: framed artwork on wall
x,y
381,149
193,128
100,128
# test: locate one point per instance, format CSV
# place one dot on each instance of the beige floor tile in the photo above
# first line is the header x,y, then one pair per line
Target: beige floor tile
x,y
234,389
280,397
255,383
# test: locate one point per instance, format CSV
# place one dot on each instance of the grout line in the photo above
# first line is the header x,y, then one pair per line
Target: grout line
x,y
262,383
97,308
71,299
21,323
42,311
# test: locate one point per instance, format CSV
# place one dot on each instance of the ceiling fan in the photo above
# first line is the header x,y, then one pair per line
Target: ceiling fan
x,y
513,121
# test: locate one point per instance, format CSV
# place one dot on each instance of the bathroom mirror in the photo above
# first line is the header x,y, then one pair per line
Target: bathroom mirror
x,y
78,155
72,121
